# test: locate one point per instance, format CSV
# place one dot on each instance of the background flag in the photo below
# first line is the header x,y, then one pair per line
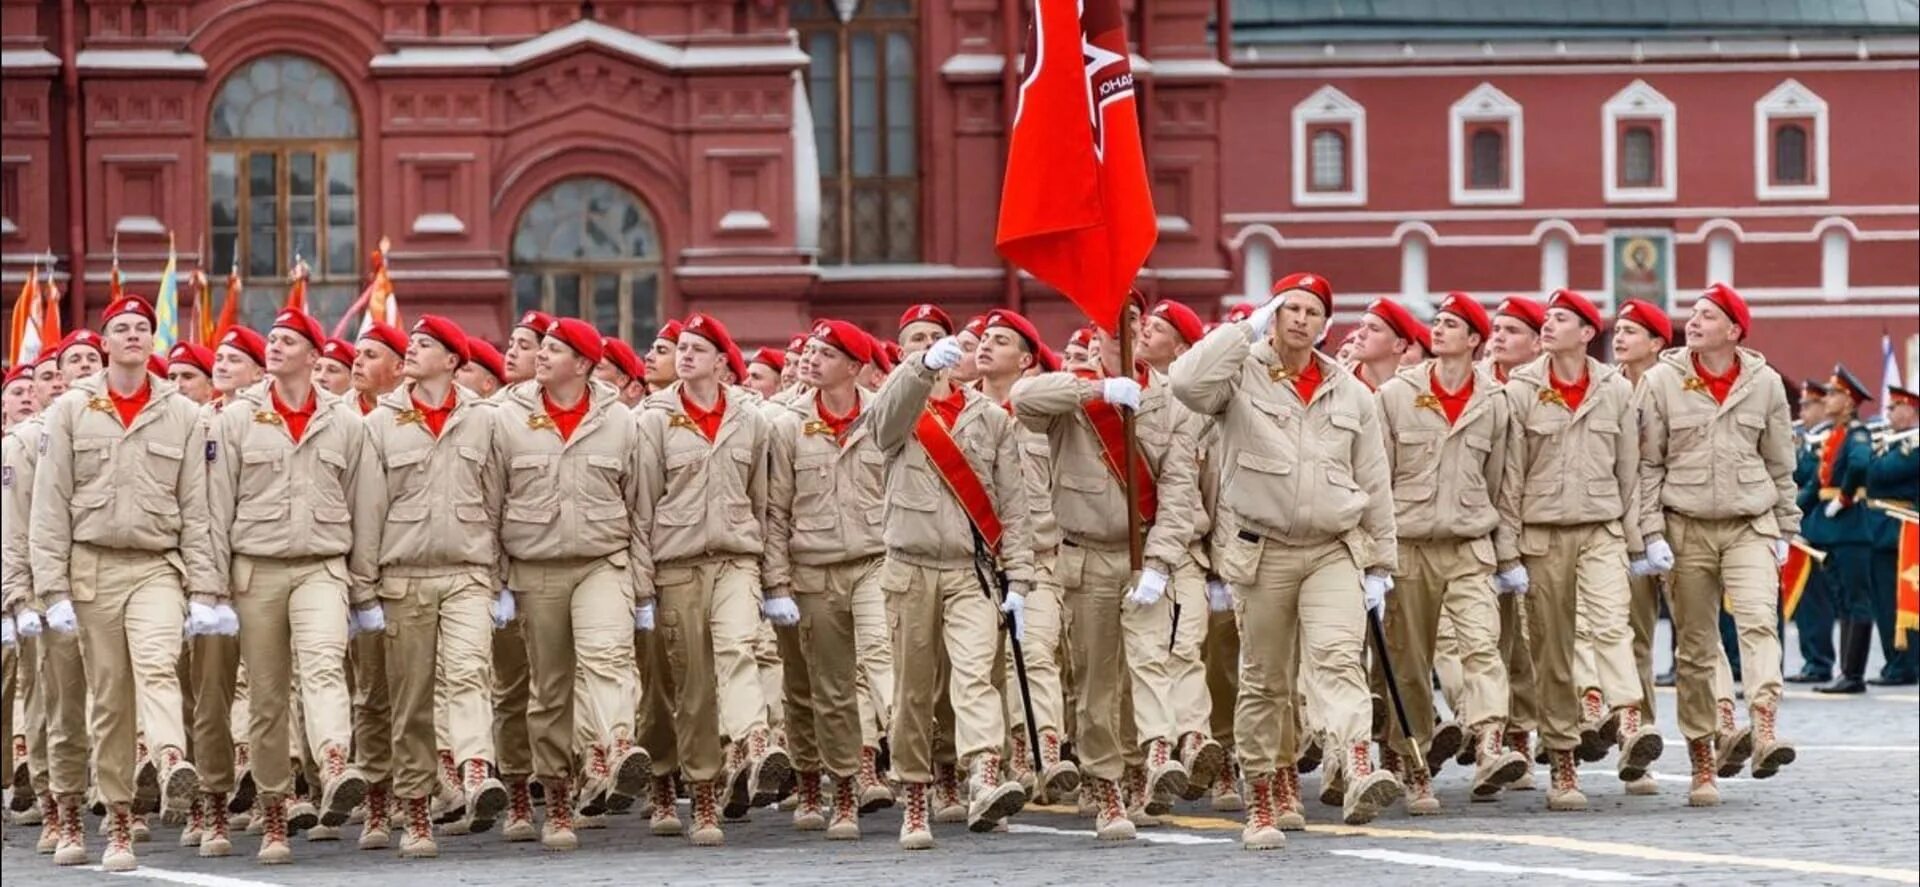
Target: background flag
x,y
24,339
1906,610
1793,579
1889,370
202,308
229,307
166,306
377,303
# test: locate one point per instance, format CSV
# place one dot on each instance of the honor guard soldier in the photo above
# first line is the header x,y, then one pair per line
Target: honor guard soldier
x,y
1388,333
1717,505
765,370
239,362
1894,479
1305,482
119,535
292,477
1813,616
1836,521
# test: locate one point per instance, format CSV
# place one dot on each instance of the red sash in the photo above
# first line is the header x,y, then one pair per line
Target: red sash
x,y
1111,428
957,474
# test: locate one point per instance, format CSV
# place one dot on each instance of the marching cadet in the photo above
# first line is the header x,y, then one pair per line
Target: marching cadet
x,y
923,325
239,362
333,372
291,477
624,370
661,355
571,531
377,367
123,570
18,401
511,690
701,510
1894,478
435,443
1716,495
790,370
486,370
956,514
1515,342
1813,616
765,370
1388,332
1305,484
1641,330
825,501
377,359
81,354
1008,350
1516,336
48,381
1074,356
1835,520
1122,620
190,369
1448,423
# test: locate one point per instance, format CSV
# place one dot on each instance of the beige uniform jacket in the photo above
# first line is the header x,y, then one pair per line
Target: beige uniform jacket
x,y
1447,475
1570,467
925,525
1088,500
274,498
444,494
19,451
142,487
700,499
570,499
1716,461
826,499
1296,472
1037,463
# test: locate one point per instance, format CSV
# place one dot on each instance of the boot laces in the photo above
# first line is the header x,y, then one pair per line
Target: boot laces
x,y
520,801
119,830
1563,770
476,773
274,814
336,763
1260,813
214,819
1700,755
844,791
987,770
809,787
1592,704
1360,762
377,806
706,813
419,820
916,812
1763,717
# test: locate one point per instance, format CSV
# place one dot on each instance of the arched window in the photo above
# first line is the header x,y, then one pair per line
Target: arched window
x,y
1637,166
1489,153
861,84
1790,155
1329,161
283,179
588,248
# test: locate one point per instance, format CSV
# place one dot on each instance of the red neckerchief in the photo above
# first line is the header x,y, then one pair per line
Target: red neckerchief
x,y
1571,393
836,424
708,421
1499,374
296,420
1718,386
1453,402
949,407
365,403
131,405
436,417
1307,381
566,419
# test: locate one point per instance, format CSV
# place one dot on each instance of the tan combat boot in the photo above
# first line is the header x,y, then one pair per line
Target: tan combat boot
x,y
1770,752
485,796
519,823
146,784
1166,776
1640,745
1226,788
215,840
1420,798
948,806
1262,831
275,849
1593,712
704,830
72,846
416,835
596,779
874,793
557,832
1136,792
994,799
49,824
344,787
1333,780
1290,815
1446,742
119,853
1563,794
196,822
845,824
1020,763
1518,741
179,781
1704,791
631,767
809,811
244,788
1495,767
770,776
1203,759
915,833
447,797
1369,791
1110,820
1732,745
1059,777
376,831
665,821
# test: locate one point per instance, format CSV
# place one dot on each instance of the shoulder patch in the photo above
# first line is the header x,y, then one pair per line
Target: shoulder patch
x,y
43,441
213,451
6,476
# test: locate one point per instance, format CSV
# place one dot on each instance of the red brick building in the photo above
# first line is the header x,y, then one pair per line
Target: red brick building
x,y
775,160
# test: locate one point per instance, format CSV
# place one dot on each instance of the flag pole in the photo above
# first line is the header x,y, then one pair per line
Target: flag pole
x,y
1135,556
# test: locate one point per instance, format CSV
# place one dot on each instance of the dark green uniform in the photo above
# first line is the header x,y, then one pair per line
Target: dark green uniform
x,y
1894,476
1847,539
1813,617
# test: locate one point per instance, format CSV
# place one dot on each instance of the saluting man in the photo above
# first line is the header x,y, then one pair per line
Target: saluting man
x,y
292,478
119,536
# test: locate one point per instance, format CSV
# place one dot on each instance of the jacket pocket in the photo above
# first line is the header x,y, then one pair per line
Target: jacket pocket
x,y
470,514
895,577
1070,567
1238,560
673,577
261,512
530,514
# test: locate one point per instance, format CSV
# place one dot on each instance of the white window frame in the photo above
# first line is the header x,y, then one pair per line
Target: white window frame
x,y
1789,100
1639,101
1330,105
1485,104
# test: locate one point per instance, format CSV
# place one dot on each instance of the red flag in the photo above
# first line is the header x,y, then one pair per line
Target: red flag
x,y
1075,209
1793,579
229,308
1906,607
297,293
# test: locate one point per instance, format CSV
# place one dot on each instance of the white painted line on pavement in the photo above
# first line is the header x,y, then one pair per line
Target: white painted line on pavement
x,y
1021,828
1602,876
195,879
1658,777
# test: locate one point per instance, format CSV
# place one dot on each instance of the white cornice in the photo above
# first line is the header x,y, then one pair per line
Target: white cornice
x,y
592,33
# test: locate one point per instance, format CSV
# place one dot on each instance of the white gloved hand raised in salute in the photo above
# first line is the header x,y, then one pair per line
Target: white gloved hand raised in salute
x,y
944,355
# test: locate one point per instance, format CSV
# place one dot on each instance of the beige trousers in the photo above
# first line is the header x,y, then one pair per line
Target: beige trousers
x,y
822,668
708,613
943,625
1454,578
1579,569
215,674
293,610
579,631
439,629
1716,559
1120,652
512,741
874,646
1192,705
768,666
372,707
131,608
1041,645
63,684
1222,659
1643,613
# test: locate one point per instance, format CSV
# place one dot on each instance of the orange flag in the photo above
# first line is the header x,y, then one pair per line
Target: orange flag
x,y
229,307
1906,598
1793,579
297,294
202,309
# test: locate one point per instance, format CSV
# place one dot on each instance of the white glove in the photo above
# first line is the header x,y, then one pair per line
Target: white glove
x,y
27,623
944,355
6,631
1640,569
60,618
1262,317
1660,556
1513,580
1833,507
200,619
781,611
226,622
1121,392
502,608
1376,586
1148,589
1015,606
1779,552
1219,596
643,617
370,618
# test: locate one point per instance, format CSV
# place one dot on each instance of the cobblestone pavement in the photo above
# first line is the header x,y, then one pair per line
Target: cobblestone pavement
x,y
1847,813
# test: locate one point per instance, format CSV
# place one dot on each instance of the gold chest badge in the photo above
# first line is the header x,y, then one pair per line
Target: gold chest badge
x,y
102,404
538,421
267,417
409,417
682,420
1548,395
1426,400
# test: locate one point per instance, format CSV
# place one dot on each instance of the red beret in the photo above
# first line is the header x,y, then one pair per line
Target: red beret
x,y
623,358
1239,312
669,331
845,338
156,365
885,354
200,357
339,351
488,358
709,328
386,334
579,336
128,304
1464,307
736,362
927,314
447,333
302,324
797,344
1082,337
1310,282
1729,301
82,337
1649,317
1401,321
537,321
19,372
1576,303
1021,326
1525,310
249,343
1049,360
977,326
772,357
1183,319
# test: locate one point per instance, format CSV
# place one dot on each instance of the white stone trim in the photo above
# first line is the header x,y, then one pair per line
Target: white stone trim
x,y
1590,212
438,223
589,32
1553,260
1760,53
1639,101
1835,260
806,170
1413,270
1789,99
745,220
1720,256
27,59
1485,104
138,60
1330,105
829,273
